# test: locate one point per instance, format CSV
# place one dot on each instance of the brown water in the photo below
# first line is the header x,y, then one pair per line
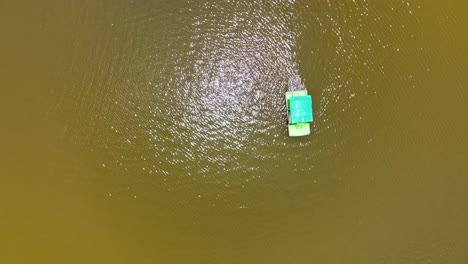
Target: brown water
x,y
155,132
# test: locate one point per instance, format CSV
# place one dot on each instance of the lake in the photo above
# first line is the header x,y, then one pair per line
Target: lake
x,y
155,132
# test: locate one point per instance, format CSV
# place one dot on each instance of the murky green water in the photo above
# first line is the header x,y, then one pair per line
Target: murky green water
x,y
155,132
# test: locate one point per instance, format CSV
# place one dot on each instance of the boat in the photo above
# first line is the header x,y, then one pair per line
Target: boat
x,y
299,107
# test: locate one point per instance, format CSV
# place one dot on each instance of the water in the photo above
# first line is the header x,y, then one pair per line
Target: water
x,y
155,132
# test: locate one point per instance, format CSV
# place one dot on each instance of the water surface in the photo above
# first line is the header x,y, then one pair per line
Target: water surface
x,y
155,132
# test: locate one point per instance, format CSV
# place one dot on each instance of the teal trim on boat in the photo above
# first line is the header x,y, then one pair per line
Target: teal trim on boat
x,y
299,106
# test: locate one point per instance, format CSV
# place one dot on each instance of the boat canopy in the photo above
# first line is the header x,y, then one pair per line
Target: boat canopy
x,y
301,109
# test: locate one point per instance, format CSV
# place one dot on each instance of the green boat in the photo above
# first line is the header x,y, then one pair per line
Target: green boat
x,y
299,105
